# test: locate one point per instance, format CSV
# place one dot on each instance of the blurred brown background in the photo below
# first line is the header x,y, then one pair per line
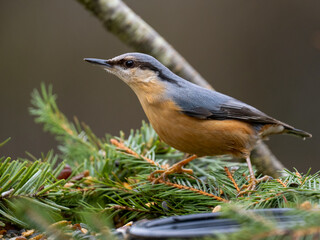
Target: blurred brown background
x,y
265,53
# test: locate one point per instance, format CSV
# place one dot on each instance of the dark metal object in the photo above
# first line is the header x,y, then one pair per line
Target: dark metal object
x,y
203,225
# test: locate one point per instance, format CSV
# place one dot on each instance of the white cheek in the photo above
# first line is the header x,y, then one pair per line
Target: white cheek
x,y
123,74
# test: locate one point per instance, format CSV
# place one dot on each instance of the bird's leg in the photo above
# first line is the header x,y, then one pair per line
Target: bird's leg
x,y
252,177
176,168
252,181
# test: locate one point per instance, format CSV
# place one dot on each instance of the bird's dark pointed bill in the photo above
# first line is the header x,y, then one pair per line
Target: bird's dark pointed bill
x,y
98,61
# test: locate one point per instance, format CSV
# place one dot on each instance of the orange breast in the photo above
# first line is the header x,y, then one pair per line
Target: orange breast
x,y
200,137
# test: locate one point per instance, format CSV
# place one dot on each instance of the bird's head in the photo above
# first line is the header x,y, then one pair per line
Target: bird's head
x,y
140,71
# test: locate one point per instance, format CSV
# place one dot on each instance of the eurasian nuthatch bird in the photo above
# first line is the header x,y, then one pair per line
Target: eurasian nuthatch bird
x,y
190,118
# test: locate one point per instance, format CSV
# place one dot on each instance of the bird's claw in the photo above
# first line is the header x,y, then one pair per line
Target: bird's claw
x,y
176,168
249,188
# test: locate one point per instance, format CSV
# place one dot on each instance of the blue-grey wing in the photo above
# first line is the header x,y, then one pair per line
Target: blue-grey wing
x,y
202,103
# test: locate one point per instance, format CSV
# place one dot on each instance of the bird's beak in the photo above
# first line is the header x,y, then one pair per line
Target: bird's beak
x,y
102,62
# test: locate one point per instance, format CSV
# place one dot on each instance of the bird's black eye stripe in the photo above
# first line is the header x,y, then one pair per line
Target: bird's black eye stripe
x,y
129,63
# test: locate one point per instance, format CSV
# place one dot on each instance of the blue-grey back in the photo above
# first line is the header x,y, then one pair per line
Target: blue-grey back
x,y
203,103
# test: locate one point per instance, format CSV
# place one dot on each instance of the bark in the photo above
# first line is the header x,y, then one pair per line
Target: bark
x,y
265,162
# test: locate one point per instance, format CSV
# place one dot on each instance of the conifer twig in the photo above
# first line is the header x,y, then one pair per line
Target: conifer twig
x,y
267,199
305,179
229,175
125,192
190,189
299,176
282,183
133,153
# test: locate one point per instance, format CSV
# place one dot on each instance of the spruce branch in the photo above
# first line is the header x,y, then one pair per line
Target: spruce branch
x,y
111,180
133,159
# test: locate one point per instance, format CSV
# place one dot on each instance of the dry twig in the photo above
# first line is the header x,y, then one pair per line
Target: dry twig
x,y
191,189
133,153
229,175
282,183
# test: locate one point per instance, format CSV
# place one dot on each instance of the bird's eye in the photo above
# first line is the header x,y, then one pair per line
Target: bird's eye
x,y
129,63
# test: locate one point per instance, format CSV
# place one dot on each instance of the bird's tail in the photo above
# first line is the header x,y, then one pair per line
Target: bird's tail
x,y
297,132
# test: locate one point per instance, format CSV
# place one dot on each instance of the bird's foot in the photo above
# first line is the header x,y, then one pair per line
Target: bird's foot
x,y
176,168
249,188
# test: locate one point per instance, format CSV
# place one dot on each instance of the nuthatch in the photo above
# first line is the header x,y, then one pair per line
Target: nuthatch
x,y
193,119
